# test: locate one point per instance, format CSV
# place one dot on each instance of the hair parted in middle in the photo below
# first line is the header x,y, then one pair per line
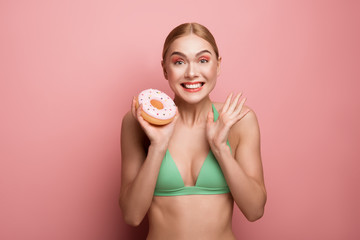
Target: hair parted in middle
x,y
187,29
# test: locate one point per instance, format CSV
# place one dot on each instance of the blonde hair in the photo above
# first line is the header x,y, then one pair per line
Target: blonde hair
x,y
187,29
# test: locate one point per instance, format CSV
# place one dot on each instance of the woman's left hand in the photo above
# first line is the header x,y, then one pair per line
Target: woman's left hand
x,y
232,111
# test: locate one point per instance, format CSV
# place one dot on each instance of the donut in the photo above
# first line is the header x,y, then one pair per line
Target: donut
x,y
157,107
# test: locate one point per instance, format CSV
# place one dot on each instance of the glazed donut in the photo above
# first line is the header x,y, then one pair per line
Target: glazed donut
x,y
157,107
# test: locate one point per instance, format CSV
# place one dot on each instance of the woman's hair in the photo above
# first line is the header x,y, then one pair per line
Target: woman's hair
x,y
187,29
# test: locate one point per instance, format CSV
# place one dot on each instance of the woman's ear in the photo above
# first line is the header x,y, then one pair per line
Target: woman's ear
x,y
219,66
164,70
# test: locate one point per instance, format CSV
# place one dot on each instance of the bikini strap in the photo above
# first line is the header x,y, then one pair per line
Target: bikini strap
x,y
216,114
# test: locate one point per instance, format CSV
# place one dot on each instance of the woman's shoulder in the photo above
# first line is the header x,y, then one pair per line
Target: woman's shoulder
x,y
131,125
128,119
132,131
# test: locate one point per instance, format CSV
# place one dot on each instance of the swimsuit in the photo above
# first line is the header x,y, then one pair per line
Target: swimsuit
x,y
210,180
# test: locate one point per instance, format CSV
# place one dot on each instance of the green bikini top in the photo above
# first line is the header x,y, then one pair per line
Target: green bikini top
x,y
209,181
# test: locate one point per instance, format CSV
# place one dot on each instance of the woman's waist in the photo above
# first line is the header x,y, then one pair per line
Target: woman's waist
x,y
194,233
183,213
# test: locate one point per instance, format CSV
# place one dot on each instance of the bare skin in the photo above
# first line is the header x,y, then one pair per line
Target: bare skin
x,y
191,217
189,138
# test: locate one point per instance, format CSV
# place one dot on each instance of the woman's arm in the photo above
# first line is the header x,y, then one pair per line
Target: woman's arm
x,y
139,169
243,172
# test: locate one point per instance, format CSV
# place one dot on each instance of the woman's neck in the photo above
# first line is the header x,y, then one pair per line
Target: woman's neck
x,y
193,114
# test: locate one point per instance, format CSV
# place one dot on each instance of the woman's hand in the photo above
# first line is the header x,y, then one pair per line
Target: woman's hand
x,y
158,135
232,111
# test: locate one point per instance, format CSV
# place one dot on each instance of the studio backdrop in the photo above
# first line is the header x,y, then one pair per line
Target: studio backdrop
x,y
68,72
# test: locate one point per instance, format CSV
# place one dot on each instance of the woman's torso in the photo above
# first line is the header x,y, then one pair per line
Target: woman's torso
x,y
190,216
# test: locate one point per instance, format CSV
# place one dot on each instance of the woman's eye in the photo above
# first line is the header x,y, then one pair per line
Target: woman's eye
x,y
178,62
203,60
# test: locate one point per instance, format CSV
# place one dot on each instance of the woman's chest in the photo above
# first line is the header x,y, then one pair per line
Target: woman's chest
x,y
189,149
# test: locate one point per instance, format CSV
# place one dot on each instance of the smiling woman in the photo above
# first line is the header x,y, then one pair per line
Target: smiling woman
x,y
191,65
201,58
190,193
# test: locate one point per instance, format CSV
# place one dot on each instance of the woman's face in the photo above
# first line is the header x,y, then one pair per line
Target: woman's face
x,y
191,67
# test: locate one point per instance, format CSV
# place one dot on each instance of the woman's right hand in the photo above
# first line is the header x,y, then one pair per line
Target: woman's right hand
x,y
158,135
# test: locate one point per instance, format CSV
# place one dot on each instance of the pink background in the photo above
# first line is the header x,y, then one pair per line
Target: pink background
x,y
69,69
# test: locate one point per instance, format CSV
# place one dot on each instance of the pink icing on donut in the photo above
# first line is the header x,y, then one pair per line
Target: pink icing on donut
x,y
166,111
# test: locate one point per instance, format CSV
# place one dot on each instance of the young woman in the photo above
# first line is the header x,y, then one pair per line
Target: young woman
x,y
186,175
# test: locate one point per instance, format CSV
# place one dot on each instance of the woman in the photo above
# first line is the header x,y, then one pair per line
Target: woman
x,y
215,151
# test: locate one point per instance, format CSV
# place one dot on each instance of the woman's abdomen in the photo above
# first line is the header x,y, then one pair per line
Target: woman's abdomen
x,y
191,217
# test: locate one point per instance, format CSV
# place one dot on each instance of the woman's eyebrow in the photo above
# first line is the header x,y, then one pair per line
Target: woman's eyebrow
x,y
203,51
183,55
178,53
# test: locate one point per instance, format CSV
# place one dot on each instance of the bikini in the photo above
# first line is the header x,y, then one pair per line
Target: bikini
x,y
210,180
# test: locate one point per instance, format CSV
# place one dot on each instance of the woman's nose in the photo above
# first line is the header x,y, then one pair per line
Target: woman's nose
x,y
191,71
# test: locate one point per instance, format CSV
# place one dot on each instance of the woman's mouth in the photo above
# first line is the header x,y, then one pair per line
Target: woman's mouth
x,y
192,86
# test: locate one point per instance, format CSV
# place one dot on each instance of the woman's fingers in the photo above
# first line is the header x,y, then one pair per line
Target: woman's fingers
x,y
234,103
241,112
244,113
227,103
137,114
133,107
239,106
140,119
234,109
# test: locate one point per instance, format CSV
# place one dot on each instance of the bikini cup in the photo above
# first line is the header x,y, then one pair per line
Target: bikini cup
x,y
210,180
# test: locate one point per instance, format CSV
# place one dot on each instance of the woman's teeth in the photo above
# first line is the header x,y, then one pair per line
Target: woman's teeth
x,y
192,86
